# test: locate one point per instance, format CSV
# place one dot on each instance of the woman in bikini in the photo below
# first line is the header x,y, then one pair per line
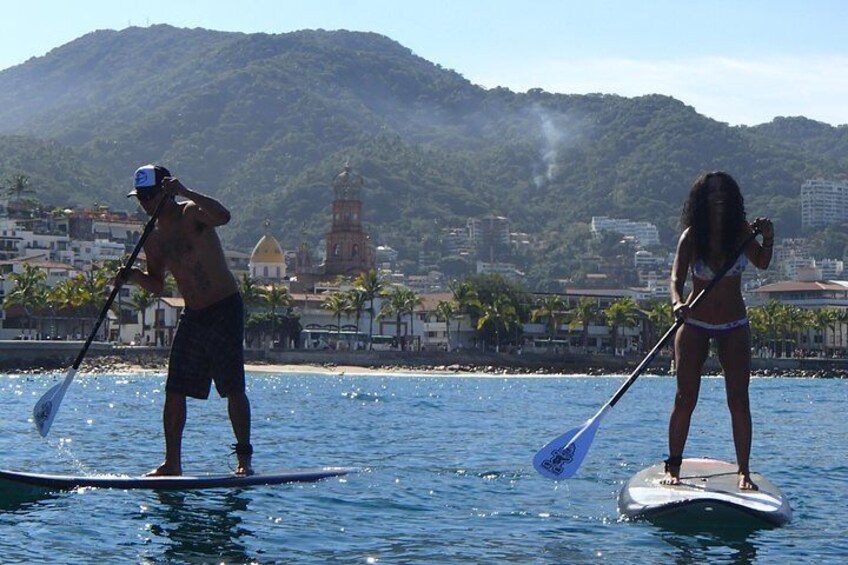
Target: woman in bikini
x,y
714,226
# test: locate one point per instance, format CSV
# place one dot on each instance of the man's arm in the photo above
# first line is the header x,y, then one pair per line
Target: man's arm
x,y
152,281
206,209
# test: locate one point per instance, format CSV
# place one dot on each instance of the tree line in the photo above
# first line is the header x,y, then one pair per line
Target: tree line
x,y
493,306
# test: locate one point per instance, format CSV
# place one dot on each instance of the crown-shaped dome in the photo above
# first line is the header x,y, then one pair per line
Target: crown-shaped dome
x,y
267,250
347,185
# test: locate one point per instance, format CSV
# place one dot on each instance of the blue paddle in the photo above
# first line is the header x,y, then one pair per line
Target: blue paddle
x,y
561,458
47,406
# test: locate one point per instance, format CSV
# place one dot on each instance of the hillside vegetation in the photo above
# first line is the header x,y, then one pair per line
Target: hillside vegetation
x,y
265,122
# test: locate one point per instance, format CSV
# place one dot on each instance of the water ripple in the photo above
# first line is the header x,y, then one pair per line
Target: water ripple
x,y
444,472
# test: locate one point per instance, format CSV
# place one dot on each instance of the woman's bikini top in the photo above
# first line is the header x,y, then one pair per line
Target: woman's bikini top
x,y
700,270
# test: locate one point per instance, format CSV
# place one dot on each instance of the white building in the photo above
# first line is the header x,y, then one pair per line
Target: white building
x,y
386,255
646,261
645,233
823,202
457,242
17,241
83,253
267,261
126,231
508,270
831,269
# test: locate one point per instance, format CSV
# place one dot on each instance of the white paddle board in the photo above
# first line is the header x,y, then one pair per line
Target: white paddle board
x,y
12,479
708,490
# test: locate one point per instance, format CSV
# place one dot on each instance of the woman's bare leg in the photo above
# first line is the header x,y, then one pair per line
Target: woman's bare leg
x,y
690,351
734,352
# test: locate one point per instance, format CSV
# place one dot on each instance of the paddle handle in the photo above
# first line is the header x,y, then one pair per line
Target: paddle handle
x,y
679,321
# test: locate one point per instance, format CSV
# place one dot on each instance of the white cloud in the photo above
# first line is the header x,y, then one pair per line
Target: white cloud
x,y
737,91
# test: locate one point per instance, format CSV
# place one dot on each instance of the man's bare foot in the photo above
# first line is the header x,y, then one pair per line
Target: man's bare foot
x,y
165,470
244,469
244,453
745,482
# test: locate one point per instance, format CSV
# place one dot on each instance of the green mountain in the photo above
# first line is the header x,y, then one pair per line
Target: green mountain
x,y
265,122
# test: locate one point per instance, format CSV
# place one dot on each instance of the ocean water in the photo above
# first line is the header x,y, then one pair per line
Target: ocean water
x,y
445,473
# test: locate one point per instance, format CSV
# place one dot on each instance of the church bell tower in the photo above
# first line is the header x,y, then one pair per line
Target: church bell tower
x,y
348,247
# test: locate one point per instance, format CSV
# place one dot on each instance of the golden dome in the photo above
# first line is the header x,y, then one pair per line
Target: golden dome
x,y
267,250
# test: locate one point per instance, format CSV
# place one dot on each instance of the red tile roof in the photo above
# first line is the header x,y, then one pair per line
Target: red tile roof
x,y
803,286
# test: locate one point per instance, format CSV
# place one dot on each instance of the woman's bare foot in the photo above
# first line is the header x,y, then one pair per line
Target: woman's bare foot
x,y
165,470
672,471
745,482
672,477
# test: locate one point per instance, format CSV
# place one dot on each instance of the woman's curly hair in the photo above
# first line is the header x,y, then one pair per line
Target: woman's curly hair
x,y
696,215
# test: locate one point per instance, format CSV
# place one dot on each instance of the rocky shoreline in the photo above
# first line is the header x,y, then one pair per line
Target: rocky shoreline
x,y
110,364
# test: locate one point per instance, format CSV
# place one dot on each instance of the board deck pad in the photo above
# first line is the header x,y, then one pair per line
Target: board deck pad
x,y
183,482
708,491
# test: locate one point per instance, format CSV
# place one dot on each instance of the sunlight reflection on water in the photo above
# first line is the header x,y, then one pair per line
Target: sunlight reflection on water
x,y
445,471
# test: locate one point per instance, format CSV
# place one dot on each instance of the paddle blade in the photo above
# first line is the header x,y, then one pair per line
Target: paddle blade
x,y
45,410
561,458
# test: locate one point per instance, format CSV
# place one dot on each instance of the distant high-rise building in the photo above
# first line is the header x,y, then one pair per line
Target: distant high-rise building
x,y
489,236
645,233
823,202
457,242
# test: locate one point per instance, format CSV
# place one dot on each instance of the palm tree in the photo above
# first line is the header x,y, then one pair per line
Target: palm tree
x,y
841,320
141,300
372,286
825,319
277,296
30,291
500,314
17,187
252,293
550,307
467,302
769,317
661,317
796,319
621,314
337,304
64,298
446,309
92,285
410,302
395,305
586,312
356,300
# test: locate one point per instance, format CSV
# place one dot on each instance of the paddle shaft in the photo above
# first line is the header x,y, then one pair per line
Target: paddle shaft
x,y
679,321
151,223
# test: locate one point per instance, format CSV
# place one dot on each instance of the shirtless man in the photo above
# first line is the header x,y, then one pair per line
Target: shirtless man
x,y
208,344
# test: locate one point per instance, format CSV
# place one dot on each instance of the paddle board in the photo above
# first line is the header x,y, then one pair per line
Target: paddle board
x,y
185,482
708,492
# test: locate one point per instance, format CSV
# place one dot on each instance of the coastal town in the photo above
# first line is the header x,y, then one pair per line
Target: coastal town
x,y
58,265
378,282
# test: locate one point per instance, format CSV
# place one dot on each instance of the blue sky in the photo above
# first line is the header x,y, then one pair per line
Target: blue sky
x,y
740,62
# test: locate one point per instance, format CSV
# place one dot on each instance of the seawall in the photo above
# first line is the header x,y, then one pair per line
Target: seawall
x,y
56,355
